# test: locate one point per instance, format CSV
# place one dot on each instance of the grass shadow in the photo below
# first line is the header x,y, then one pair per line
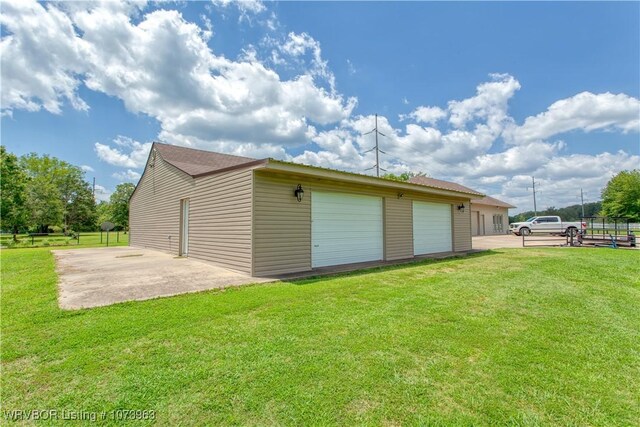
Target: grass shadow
x,y
315,277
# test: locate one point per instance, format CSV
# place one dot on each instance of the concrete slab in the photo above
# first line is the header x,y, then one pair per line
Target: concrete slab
x,y
513,241
104,276
496,242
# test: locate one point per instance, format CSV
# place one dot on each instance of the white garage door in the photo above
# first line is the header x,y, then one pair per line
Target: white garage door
x,y
345,228
431,228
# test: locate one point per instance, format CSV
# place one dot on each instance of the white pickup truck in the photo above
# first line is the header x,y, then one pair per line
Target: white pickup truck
x,y
546,224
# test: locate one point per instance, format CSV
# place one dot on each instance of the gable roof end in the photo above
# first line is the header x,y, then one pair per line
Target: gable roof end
x,y
199,162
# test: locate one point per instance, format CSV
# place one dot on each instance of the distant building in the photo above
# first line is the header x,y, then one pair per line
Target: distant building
x,y
489,216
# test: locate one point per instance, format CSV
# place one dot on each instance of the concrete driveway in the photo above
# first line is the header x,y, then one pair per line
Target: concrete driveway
x,y
496,242
512,241
104,276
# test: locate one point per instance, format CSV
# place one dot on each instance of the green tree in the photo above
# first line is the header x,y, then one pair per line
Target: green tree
x,y
103,210
621,196
569,213
13,183
81,212
119,202
45,208
57,194
403,177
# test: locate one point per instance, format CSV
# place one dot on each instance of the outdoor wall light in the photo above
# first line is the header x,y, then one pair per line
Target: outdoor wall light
x,y
461,207
400,195
299,193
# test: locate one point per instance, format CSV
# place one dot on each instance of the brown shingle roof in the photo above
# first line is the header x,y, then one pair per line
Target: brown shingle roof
x,y
198,162
445,185
490,201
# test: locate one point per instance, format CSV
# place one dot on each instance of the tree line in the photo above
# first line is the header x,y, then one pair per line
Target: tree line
x,y
41,194
568,213
620,199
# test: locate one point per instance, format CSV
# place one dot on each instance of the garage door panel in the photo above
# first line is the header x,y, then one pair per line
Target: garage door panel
x,y
345,228
431,228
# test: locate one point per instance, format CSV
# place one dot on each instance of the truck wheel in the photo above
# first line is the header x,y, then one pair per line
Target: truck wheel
x,y
571,232
525,231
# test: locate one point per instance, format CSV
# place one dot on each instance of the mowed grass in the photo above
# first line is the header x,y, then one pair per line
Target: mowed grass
x,y
520,337
87,239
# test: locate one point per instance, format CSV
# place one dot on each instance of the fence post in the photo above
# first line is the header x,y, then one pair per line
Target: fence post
x,y
32,240
107,237
100,236
78,237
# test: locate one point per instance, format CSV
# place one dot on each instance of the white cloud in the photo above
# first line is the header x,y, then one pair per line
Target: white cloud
x,y
516,160
351,69
102,194
87,168
585,111
244,6
41,58
127,153
127,176
427,115
213,101
245,107
489,103
297,46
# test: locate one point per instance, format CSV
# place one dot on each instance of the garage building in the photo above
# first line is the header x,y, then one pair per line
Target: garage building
x,y
268,217
489,216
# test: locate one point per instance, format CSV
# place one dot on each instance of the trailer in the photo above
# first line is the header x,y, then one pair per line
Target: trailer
x,y
607,232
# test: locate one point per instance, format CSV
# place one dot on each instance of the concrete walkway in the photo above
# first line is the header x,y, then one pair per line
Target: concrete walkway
x,y
104,276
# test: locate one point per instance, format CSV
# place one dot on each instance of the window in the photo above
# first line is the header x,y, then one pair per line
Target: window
x,y
497,223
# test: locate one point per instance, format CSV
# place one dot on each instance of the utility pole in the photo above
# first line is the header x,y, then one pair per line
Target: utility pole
x,y
377,148
535,208
582,202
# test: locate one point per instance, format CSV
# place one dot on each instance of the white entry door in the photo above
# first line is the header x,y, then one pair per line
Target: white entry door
x,y
184,228
431,228
345,228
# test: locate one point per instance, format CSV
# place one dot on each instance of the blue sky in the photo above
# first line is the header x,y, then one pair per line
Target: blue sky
x,y
484,94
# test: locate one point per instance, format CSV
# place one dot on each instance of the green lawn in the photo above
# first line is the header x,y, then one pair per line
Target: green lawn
x,y
520,337
85,239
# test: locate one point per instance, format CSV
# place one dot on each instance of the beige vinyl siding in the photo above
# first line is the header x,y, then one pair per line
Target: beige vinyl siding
x,y
398,228
154,213
489,212
282,226
220,219
461,228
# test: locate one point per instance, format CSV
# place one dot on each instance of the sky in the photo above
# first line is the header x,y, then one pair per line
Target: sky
x,y
484,94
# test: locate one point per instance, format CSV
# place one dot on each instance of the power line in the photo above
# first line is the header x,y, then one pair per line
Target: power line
x,y
535,208
377,148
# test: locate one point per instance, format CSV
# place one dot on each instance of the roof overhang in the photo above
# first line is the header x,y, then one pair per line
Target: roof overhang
x,y
279,166
502,204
